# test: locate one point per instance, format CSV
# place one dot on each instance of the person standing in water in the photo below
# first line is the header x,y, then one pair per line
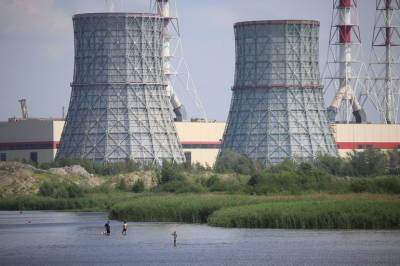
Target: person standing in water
x,y
108,228
175,235
124,228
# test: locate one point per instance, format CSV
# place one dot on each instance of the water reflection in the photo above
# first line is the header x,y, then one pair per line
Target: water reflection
x,y
76,238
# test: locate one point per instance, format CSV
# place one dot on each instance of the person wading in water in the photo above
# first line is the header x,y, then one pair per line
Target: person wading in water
x,y
175,235
108,228
124,228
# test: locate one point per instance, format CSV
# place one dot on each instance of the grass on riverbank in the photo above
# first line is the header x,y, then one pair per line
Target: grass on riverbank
x,y
311,211
177,208
92,202
352,214
363,211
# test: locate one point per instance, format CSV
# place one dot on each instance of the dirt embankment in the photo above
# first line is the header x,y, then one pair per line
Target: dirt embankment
x,y
23,179
17,178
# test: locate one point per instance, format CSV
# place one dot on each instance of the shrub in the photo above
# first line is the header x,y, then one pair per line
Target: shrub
x,y
46,189
333,165
394,162
180,186
58,189
122,185
370,162
232,184
289,177
138,186
386,184
171,171
229,161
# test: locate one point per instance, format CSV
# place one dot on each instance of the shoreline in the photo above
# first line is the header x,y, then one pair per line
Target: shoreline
x,y
308,211
207,225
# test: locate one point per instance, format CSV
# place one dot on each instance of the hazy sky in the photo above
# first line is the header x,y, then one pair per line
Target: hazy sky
x,y
36,41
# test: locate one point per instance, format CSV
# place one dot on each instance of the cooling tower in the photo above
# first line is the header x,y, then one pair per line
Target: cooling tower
x,y
119,107
277,108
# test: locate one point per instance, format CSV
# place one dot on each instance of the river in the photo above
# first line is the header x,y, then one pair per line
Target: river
x,y
62,238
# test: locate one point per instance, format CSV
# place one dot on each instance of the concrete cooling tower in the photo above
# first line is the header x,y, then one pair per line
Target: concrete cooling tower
x,y
119,107
277,108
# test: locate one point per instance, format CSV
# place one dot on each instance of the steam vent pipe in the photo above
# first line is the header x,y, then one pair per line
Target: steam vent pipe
x,y
119,108
277,108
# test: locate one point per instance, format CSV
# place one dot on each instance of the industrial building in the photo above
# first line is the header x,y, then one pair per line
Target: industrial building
x,y
38,139
34,140
123,104
358,137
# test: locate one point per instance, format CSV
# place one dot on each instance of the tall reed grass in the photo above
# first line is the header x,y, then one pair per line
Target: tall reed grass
x,y
98,202
312,214
177,208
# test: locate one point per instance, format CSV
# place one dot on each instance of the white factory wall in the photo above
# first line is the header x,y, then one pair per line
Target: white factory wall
x,y
199,139
357,137
26,139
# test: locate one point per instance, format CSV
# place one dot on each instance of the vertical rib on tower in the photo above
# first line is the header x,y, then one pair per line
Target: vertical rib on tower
x,y
119,107
277,107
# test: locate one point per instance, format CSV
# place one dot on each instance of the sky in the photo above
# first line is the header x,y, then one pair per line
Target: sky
x,y
37,49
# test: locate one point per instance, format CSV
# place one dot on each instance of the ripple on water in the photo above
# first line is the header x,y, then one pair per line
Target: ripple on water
x,y
76,238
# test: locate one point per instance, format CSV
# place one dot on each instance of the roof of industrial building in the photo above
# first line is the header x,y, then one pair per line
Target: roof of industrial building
x,y
276,22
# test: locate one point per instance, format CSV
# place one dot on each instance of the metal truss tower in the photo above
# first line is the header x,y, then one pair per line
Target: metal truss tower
x,y
163,10
384,67
119,107
277,109
344,67
178,78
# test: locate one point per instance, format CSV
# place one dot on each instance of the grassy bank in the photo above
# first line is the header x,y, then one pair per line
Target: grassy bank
x,y
348,211
177,208
95,202
312,214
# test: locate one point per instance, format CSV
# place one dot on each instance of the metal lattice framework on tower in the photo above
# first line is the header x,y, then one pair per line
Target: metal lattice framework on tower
x,y
176,69
119,107
384,68
277,108
342,73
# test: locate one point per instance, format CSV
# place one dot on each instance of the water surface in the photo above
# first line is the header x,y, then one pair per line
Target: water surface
x,y
49,238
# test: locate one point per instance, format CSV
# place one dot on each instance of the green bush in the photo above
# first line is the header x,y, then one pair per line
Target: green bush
x,y
233,184
289,177
370,162
180,186
103,188
118,167
138,186
229,161
122,185
386,184
171,171
57,189
394,162
333,165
